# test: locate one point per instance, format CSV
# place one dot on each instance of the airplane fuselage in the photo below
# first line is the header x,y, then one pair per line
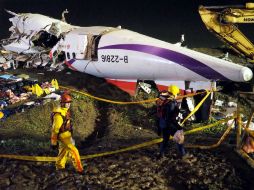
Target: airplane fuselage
x,y
120,54
123,54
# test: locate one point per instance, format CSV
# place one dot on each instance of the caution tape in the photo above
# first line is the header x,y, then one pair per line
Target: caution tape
x,y
146,101
106,100
134,147
30,158
194,94
196,108
245,156
249,132
223,137
209,126
125,103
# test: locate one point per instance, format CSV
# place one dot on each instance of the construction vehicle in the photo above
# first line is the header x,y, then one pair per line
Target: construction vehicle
x,y
222,20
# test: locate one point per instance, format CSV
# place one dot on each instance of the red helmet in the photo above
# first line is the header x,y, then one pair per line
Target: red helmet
x,y
65,98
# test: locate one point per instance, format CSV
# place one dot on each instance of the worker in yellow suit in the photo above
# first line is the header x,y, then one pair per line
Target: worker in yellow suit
x,y
61,135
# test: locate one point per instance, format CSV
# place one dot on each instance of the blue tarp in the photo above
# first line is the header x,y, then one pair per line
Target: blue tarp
x,y
6,76
10,77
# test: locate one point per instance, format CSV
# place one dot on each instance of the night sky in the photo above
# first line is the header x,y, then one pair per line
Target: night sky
x,y
162,19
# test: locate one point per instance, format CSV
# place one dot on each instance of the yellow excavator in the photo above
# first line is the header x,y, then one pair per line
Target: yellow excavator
x,y
222,20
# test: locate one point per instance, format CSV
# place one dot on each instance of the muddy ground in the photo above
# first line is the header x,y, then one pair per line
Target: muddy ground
x,y
220,168
217,169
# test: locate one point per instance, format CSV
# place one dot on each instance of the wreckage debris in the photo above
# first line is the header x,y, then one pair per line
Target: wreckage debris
x,y
22,88
42,60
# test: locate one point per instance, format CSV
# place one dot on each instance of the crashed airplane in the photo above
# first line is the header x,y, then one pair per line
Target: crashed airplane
x,y
123,57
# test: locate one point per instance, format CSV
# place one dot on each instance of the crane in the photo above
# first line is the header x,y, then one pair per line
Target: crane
x,y
222,20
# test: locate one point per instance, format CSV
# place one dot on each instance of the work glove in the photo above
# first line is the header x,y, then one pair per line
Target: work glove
x,y
54,147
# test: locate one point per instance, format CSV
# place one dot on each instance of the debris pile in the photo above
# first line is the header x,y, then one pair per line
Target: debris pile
x,y
18,93
12,60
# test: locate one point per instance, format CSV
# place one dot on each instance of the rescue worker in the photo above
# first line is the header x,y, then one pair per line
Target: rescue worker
x,y
61,135
167,113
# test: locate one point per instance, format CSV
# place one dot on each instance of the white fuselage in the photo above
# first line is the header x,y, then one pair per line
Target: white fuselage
x,y
120,54
123,54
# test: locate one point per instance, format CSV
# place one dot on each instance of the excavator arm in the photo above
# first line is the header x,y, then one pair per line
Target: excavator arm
x,y
221,22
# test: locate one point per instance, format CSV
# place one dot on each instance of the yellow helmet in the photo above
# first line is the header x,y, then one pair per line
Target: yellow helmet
x,y
1,114
174,89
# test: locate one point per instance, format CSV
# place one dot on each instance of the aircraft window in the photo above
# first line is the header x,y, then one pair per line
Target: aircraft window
x,y
54,53
61,56
68,55
74,55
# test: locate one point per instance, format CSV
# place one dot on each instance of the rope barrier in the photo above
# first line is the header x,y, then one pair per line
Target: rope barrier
x,y
146,101
106,100
134,147
196,108
145,144
125,103
223,137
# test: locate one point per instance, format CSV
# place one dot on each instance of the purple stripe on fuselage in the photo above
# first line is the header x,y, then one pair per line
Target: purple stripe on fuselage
x,y
176,57
71,61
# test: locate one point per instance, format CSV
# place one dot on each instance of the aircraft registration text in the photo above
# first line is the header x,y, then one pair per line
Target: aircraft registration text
x,y
114,59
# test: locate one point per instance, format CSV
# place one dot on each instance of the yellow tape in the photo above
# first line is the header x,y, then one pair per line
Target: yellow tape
x,y
106,100
29,158
194,94
134,147
249,132
124,103
196,108
245,156
208,126
145,144
223,137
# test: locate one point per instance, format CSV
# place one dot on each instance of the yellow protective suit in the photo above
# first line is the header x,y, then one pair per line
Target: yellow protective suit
x,y
67,147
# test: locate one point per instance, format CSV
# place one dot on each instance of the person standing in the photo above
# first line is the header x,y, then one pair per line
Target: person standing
x,y
167,113
61,135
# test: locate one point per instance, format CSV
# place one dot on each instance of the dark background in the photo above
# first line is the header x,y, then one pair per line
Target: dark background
x,y
162,19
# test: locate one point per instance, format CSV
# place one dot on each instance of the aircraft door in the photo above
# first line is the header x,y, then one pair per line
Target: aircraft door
x,y
91,52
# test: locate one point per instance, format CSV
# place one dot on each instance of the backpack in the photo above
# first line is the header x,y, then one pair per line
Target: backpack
x,y
161,109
